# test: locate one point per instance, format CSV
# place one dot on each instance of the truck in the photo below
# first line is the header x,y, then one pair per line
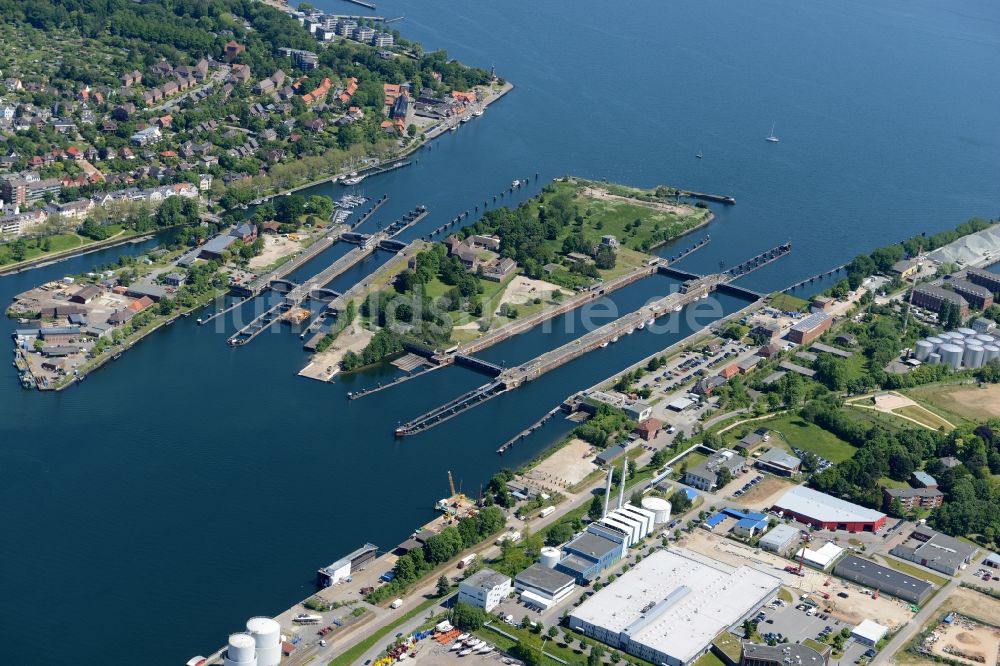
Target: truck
x,y
547,511
466,561
396,604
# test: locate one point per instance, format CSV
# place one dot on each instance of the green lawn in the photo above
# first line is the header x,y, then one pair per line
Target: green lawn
x,y
809,437
363,646
729,644
886,482
709,659
917,572
787,302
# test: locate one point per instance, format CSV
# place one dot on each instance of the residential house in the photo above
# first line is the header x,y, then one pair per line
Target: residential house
x,y
705,475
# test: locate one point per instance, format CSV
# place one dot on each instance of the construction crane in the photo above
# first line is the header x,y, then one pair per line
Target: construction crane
x,y
451,483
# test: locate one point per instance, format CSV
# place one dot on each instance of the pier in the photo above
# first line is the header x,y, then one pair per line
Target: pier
x,y
714,198
528,431
376,170
818,276
610,333
363,3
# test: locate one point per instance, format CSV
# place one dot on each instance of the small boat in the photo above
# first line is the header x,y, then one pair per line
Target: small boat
x,y
678,308
474,643
466,119
649,322
630,331
699,155
464,653
641,325
614,339
515,184
478,113
353,174
456,646
486,649
462,637
454,128
352,181
771,137
604,344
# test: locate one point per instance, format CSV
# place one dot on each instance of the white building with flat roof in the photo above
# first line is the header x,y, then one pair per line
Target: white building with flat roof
x,y
869,632
669,607
484,589
821,558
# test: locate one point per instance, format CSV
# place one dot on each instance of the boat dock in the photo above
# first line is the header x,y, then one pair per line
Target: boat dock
x,y
263,282
376,170
371,211
714,198
529,430
363,3
512,378
818,276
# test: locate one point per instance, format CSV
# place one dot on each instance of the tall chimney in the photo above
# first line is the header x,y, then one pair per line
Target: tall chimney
x,y
621,489
607,491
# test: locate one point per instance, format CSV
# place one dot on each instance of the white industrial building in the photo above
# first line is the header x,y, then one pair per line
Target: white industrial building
x,y
780,539
484,589
542,586
869,632
669,607
821,558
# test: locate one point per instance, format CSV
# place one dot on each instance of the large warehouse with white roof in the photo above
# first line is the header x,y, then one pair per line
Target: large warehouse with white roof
x,y
826,512
669,607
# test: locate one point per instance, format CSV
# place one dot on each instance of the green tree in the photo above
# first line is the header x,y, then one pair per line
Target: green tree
x,y
596,509
443,586
467,617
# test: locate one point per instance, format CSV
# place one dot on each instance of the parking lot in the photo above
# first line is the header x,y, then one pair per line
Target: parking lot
x,y
791,621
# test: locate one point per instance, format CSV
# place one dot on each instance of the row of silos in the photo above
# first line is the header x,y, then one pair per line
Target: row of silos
x,y
959,348
260,645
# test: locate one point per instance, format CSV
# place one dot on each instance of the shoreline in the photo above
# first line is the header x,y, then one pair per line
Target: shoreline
x,y
58,257
405,152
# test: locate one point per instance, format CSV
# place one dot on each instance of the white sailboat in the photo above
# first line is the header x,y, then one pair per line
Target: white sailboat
x,y
771,137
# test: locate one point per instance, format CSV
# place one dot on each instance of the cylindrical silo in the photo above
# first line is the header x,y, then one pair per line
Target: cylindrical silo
x,y
549,557
973,357
923,350
990,352
985,339
967,332
934,358
950,335
242,651
267,635
936,342
660,508
951,355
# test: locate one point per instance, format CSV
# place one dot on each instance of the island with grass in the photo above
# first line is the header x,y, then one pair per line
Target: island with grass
x,y
510,265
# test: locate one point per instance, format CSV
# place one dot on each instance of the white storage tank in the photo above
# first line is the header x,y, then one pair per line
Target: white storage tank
x,y
990,352
973,356
967,332
242,651
922,350
549,557
935,342
985,339
267,635
934,358
660,508
951,355
950,335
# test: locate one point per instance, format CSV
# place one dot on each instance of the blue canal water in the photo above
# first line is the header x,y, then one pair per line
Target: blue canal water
x,y
188,485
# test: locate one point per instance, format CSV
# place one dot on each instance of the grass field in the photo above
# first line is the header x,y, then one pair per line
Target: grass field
x,y
925,417
787,302
886,482
960,402
709,659
916,572
809,437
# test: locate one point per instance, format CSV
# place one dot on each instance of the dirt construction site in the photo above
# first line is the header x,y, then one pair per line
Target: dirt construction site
x,y
965,640
852,610
564,468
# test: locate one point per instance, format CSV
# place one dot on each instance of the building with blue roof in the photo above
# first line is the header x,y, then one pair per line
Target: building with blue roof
x,y
714,521
750,526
